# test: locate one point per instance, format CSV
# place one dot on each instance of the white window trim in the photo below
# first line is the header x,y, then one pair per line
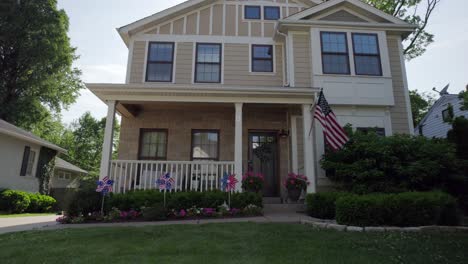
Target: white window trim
x,y
317,52
251,58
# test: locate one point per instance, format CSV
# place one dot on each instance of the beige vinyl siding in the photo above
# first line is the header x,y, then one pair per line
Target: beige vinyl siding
x,y
256,29
204,28
217,20
243,27
293,10
230,20
191,25
138,62
236,67
302,68
179,26
165,29
399,113
269,30
184,63
343,16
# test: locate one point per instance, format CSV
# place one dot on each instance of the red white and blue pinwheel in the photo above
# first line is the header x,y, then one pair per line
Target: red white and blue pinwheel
x,y
104,186
165,182
228,182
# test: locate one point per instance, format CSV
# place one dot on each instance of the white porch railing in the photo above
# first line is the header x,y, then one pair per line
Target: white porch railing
x,y
188,175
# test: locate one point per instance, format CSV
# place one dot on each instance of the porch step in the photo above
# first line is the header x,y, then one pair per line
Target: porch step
x,y
283,208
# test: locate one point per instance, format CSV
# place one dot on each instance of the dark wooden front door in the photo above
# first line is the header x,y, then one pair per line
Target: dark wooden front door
x,y
263,157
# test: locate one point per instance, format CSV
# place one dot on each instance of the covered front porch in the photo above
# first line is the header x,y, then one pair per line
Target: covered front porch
x,y
198,141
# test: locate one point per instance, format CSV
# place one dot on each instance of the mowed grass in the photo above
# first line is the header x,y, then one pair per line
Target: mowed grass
x,y
229,243
7,215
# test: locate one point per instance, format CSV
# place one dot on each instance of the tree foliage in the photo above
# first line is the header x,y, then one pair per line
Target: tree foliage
x,y
417,12
371,163
36,73
420,105
464,97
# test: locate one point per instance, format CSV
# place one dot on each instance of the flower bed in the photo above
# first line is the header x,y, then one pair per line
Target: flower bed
x,y
148,206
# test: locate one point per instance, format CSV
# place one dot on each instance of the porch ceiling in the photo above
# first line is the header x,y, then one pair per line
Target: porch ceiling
x,y
203,93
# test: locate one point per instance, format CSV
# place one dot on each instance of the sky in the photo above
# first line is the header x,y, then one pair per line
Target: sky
x,y
103,55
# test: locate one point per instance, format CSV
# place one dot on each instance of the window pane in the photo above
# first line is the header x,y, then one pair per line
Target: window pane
x,y
367,65
262,66
334,42
272,12
335,64
161,52
208,53
265,52
252,12
365,44
205,145
153,144
208,72
159,72
32,157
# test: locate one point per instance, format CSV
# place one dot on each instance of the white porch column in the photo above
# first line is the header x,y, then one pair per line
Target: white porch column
x,y
238,146
108,141
309,159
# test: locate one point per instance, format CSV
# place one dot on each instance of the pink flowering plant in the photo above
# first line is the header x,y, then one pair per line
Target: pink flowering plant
x,y
296,181
253,182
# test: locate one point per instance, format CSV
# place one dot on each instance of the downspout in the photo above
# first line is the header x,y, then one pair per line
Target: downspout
x,y
288,71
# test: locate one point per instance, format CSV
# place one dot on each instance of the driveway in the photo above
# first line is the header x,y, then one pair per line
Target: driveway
x,y
16,224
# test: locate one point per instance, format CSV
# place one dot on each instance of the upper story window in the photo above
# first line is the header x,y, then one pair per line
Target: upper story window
x,y
153,144
160,62
205,144
335,57
366,54
271,12
208,63
252,12
262,58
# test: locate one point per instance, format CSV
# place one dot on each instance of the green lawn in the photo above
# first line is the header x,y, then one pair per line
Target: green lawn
x,y
7,215
229,243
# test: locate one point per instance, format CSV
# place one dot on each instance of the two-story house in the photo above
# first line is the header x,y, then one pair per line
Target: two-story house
x,y
227,86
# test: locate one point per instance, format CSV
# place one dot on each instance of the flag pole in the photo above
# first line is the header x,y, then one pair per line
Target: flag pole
x,y
313,133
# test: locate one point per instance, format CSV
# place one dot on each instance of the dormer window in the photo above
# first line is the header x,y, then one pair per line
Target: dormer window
x,y
271,12
160,62
252,12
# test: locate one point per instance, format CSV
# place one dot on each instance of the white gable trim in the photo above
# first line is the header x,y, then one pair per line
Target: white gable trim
x,y
357,3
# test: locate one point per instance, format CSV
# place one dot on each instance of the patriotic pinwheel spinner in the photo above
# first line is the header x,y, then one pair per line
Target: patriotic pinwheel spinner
x,y
105,185
165,182
228,182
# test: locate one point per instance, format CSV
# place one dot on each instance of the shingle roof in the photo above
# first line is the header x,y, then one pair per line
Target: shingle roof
x,y
14,131
65,165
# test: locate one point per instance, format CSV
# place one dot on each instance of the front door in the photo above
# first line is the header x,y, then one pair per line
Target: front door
x,y
263,157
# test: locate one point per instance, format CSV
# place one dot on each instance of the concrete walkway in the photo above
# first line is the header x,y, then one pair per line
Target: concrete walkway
x,y
8,225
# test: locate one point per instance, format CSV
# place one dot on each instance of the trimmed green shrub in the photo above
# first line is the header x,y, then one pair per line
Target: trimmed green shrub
x,y
241,200
156,212
322,205
41,203
403,209
84,202
14,201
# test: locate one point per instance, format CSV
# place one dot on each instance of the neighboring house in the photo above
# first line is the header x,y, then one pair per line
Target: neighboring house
x,y
227,86
20,155
66,175
436,123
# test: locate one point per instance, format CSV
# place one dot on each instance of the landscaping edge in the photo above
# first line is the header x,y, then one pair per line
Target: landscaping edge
x,y
326,225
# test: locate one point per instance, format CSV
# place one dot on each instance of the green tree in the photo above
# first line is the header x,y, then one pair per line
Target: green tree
x,y
420,104
417,12
464,97
36,73
84,140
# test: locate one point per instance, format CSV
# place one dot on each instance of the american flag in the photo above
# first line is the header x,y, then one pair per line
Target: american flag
x,y
105,185
165,182
335,135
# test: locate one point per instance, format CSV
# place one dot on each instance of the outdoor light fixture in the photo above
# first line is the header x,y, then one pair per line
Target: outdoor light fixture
x,y
284,133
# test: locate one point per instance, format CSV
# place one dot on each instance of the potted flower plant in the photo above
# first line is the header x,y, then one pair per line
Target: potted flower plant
x,y
295,184
252,182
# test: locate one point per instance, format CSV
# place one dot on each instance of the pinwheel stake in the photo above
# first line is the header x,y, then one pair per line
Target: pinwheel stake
x,y
104,186
165,183
228,184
